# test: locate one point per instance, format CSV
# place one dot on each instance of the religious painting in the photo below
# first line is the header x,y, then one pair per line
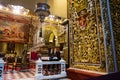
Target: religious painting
x,y
83,15
14,28
11,31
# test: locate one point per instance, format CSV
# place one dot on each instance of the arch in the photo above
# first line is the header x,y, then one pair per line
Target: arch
x,y
53,34
51,37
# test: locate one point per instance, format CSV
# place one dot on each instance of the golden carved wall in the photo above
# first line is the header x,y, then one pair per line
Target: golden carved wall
x,y
115,13
87,46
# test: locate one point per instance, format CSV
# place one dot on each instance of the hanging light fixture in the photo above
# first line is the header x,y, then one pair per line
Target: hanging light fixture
x,y
42,10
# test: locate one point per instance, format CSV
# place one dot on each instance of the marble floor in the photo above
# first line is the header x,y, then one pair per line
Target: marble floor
x,y
23,75
20,75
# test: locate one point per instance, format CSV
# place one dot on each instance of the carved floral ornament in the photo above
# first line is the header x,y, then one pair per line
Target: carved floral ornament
x,y
85,32
82,10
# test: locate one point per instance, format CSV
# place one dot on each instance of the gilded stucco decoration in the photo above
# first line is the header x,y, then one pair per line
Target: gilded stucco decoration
x,y
115,13
87,47
51,34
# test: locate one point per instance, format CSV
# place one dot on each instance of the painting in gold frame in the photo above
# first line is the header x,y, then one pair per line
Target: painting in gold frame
x,y
13,28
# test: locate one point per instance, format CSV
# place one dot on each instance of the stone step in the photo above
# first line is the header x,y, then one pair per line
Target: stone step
x,y
61,79
65,79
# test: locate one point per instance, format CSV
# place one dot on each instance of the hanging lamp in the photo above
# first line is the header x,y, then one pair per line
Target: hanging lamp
x,y
42,10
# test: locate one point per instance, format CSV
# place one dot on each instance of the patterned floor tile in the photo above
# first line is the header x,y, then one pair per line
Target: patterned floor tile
x,y
26,75
29,75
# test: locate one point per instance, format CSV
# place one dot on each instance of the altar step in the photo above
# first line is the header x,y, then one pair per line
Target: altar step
x,y
65,79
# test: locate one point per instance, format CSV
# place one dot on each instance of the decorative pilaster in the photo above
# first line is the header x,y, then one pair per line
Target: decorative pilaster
x,y
110,53
115,15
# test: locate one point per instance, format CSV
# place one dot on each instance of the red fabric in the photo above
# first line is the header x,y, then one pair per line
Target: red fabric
x,y
34,55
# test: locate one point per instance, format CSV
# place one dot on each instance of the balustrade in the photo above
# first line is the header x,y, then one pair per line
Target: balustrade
x,y
1,68
50,69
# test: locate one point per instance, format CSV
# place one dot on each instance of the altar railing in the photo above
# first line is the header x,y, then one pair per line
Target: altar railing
x,y
50,69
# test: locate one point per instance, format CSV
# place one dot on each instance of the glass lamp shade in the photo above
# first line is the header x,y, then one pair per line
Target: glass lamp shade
x,y
42,10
